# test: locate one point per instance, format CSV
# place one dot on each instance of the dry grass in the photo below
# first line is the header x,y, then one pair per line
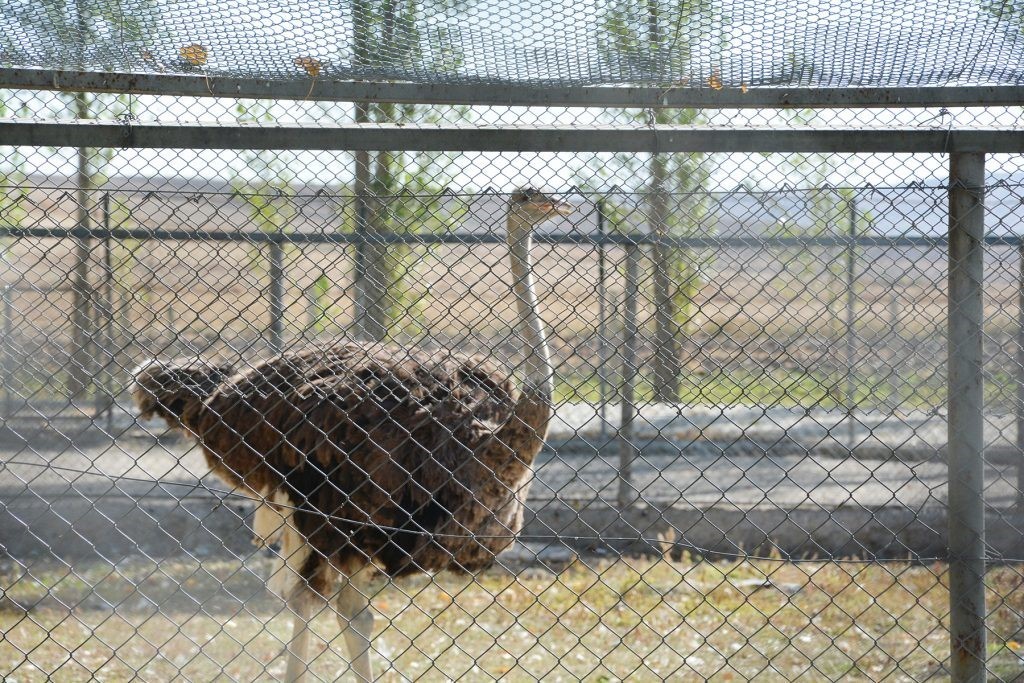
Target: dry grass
x,y
760,331
635,618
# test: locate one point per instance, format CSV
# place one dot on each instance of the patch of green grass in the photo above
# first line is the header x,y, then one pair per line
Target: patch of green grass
x,y
629,618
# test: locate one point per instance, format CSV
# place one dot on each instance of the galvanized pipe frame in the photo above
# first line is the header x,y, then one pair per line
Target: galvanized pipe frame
x,y
966,418
453,138
509,94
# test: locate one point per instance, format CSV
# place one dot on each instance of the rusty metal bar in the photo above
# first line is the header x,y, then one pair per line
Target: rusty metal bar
x,y
331,90
466,138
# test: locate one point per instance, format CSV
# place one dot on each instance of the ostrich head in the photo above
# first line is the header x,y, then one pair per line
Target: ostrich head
x,y
527,208
533,206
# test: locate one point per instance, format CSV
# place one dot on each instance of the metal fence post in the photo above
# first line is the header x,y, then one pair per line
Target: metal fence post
x,y
108,322
602,327
627,449
895,313
851,332
8,312
1020,378
965,425
276,294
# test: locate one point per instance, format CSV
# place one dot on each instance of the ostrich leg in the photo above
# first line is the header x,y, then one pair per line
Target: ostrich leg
x,y
356,619
300,602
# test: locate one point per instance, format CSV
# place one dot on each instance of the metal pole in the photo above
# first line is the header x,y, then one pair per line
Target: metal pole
x,y
507,95
361,290
276,296
8,350
966,440
851,388
108,296
895,321
602,327
104,397
627,449
361,137
1020,378
463,239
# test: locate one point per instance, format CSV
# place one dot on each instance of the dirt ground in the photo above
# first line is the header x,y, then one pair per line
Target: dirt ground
x,y
124,560
727,479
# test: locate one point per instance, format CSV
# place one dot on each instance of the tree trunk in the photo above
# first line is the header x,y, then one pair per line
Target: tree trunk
x,y
666,370
367,289
81,288
666,367
376,289
379,262
372,276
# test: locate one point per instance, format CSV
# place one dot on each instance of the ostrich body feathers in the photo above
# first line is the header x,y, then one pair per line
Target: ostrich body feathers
x,y
413,460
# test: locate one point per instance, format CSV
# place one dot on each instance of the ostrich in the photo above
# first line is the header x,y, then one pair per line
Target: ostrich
x,y
370,457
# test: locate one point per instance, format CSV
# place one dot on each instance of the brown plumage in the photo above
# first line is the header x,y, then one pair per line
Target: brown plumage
x,y
372,455
414,459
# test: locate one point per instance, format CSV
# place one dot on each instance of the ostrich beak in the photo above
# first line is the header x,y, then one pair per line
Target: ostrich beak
x,y
557,207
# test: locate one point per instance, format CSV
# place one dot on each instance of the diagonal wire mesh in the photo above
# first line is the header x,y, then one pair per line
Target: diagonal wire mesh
x,y
766,499
707,44
460,415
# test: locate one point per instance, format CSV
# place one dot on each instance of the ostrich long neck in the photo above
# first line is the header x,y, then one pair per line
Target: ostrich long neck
x,y
537,366
533,410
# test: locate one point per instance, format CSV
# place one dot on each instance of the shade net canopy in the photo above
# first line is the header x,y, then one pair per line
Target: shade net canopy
x,y
680,43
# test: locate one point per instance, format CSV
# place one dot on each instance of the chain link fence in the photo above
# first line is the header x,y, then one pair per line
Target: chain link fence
x,y
490,373
707,44
780,510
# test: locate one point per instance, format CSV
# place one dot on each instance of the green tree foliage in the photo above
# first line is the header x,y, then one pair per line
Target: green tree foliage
x,y
814,207
319,313
647,35
263,180
396,191
12,183
81,32
1006,10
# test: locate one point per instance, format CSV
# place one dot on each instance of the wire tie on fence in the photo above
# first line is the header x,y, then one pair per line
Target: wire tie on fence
x,y
651,117
126,123
949,128
942,114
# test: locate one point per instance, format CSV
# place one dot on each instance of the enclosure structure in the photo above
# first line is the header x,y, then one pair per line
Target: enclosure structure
x,y
784,317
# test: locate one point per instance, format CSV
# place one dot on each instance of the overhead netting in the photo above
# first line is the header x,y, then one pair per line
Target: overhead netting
x,y
677,43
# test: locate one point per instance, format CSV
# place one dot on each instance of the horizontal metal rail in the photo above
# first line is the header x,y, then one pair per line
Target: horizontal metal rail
x,y
328,90
508,139
491,238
